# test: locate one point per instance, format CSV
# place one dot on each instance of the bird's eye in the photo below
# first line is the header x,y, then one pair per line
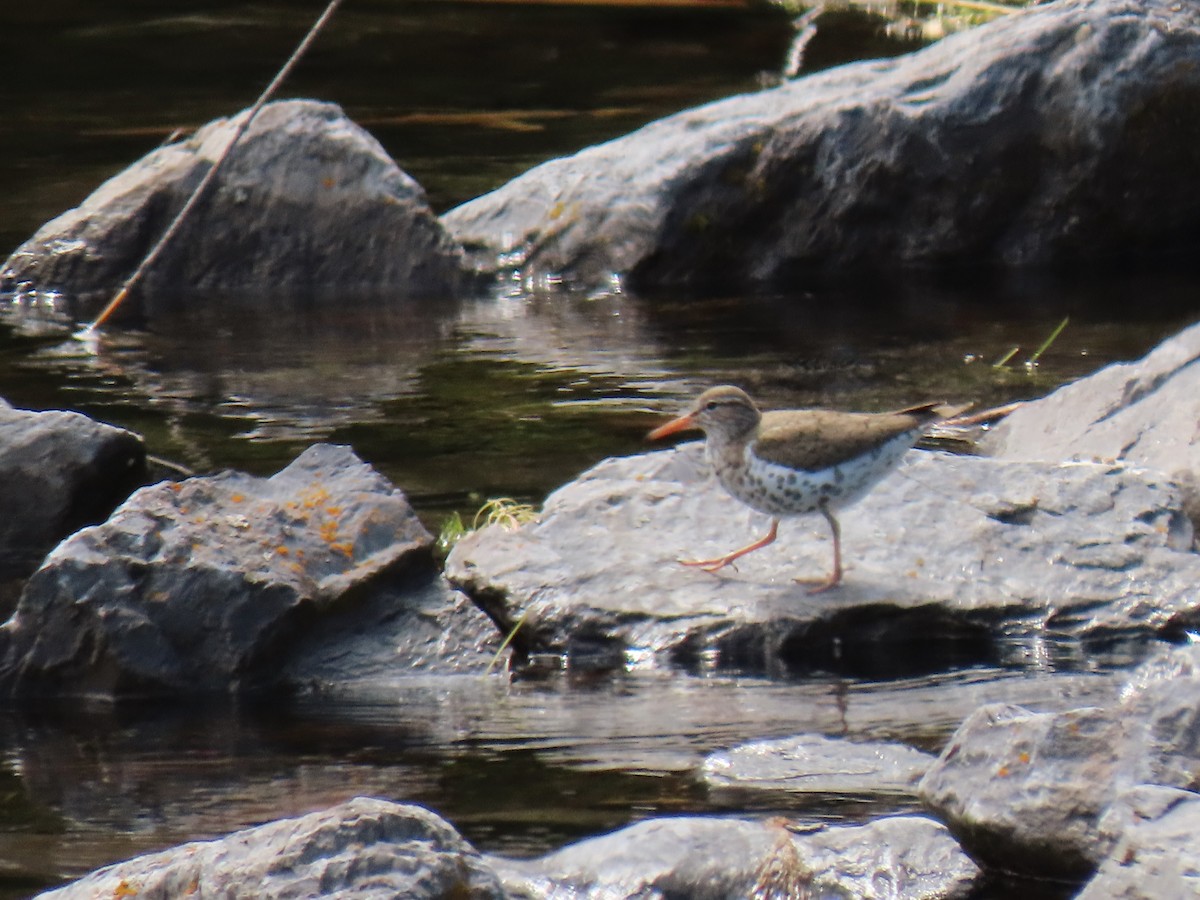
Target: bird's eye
x,y
711,404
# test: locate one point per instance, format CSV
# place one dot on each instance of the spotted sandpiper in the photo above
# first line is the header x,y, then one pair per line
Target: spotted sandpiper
x,y
796,461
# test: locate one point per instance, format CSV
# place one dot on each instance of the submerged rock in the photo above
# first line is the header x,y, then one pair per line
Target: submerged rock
x,y
1027,791
1057,136
813,763
715,859
59,471
949,558
359,849
306,201
209,584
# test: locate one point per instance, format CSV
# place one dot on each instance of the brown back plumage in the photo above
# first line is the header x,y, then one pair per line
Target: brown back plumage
x,y
814,439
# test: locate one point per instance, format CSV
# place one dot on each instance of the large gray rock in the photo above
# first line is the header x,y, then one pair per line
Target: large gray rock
x,y
1070,126
813,763
364,848
716,859
1152,832
1026,791
946,556
59,471
208,585
307,200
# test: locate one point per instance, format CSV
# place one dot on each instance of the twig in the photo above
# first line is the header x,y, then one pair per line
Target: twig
x,y
211,174
1037,354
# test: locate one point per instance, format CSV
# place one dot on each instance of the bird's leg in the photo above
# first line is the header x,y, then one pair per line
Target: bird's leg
x,y
720,562
835,577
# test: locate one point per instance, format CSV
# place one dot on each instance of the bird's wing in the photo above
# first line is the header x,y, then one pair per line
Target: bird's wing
x,y
818,438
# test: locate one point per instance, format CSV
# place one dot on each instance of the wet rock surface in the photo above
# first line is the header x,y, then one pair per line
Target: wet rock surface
x,y
306,201
948,554
363,848
903,857
861,167
205,584
816,764
1026,791
59,471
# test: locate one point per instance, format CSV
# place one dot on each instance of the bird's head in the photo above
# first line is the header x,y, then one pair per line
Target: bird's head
x,y
725,412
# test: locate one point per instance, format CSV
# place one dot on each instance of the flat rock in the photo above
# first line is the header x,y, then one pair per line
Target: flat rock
x,y
862,167
207,584
715,859
947,556
306,201
1026,791
812,763
59,471
1152,830
364,848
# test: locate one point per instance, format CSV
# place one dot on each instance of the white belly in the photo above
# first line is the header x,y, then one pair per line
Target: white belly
x,y
780,491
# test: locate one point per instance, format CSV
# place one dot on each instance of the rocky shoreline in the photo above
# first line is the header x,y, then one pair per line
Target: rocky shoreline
x,y
320,577
1076,522
1056,138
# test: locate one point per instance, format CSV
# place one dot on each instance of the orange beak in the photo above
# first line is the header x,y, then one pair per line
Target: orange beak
x,y
683,423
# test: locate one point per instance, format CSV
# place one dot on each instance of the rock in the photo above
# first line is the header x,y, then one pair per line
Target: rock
x,y
812,763
1142,412
364,848
414,625
948,557
207,584
862,167
713,859
1026,791
1152,831
306,201
59,471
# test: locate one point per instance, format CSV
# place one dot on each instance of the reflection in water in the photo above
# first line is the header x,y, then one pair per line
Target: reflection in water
x,y
513,395
109,783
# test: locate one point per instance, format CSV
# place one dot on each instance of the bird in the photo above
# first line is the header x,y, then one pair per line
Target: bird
x,y
791,462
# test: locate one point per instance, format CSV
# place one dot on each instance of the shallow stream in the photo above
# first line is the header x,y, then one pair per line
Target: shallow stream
x,y
459,401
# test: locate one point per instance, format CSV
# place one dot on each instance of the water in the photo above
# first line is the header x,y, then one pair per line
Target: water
x,y
460,400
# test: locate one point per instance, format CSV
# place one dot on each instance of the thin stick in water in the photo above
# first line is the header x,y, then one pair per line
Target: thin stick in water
x,y
211,174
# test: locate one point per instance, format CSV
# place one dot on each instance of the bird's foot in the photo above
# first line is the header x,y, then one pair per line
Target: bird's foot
x,y
710,565
820,586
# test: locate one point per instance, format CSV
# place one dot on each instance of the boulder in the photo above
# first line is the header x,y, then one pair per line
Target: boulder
x,y
364,848
950,559
207,584
1071,125
1027,791
812,763
714,859
1152,831
306,201
59,471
